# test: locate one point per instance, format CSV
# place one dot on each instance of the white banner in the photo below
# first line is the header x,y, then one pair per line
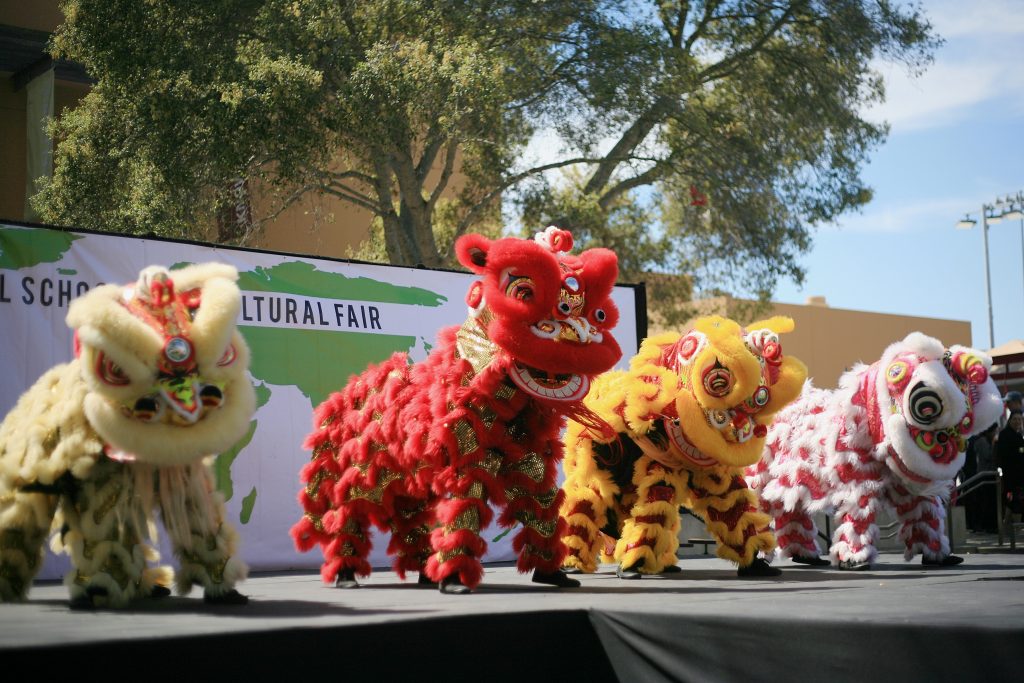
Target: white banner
x,y
311,323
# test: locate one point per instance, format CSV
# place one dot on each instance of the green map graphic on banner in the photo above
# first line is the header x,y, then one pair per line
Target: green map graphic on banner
x,y
319,362
26,248
316,362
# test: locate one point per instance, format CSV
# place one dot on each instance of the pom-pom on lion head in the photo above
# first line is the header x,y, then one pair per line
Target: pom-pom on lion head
x,y
164,364
923,402
549,312
728,384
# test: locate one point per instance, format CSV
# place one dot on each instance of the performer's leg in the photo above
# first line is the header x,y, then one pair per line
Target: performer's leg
x,y
733,517
455,564
855,538
585,513
205,544
923,528
103,533
25,520
650,533
410,535
797,535
363,497
539,543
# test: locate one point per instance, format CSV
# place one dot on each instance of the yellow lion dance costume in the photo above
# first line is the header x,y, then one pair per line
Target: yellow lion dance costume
x,y
691,413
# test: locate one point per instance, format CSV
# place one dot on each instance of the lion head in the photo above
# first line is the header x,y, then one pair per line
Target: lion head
x,y
546,313
164,364
923,402
726,383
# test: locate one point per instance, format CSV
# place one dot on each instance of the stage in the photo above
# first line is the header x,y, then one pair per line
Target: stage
x,y
899,621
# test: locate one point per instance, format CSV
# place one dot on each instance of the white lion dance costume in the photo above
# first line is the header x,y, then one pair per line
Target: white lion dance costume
x,y
689,414
891,436
98,445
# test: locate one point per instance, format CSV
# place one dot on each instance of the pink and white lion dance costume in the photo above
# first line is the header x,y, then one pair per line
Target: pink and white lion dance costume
x,y
419,450
893,435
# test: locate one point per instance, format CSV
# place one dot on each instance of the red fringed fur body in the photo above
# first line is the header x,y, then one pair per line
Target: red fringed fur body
x,y
418,450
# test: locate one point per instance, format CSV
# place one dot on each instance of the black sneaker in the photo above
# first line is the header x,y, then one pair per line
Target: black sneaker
x,y
451,585
851,566
346,579
758,568
557,578
629,573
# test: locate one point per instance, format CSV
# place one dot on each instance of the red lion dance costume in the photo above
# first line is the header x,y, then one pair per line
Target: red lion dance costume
x,y
419,450
891,436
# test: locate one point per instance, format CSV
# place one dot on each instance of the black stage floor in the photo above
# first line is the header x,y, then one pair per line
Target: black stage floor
x,y
899,621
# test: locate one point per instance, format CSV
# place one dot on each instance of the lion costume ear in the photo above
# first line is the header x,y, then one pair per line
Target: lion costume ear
x,y
472,250
600,270
778,324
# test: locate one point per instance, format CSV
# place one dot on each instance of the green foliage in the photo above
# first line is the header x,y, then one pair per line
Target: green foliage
x,y
732,128
703,140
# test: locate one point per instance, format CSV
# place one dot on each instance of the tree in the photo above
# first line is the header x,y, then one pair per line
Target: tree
x,y
743,118
705,137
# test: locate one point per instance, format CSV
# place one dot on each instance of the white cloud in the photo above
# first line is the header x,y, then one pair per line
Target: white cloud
x,y
976,18
977,66
928,214
943,95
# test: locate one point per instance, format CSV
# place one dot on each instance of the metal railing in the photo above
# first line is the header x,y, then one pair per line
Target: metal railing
x,y
973,483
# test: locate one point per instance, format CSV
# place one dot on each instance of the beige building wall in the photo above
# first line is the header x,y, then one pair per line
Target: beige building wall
x,y
832,340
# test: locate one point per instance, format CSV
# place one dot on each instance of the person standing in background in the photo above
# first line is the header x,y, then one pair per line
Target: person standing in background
x,y
981,503
1009,452
1013,402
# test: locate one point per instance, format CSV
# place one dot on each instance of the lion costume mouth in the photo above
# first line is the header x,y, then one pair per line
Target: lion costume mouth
x,y
550,386
904,469
942,446
677,437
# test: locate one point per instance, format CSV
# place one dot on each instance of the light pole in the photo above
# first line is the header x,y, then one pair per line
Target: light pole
x,y
1011,206
966,223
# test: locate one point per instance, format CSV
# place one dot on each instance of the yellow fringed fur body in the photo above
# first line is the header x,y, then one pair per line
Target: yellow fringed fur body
x,y
691,413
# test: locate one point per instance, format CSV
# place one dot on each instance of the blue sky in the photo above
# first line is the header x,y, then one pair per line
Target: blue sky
x,y
956,142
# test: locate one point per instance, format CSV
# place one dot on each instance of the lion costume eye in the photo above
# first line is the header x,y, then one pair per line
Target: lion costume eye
x,y
896,372
599,315
519,287
109,372
717,380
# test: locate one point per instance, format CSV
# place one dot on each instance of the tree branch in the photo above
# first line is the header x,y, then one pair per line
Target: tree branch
x,y
415,213
645,178
479,206
726,66
629,141
698,31
446,174
430,150
353,175
353,196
